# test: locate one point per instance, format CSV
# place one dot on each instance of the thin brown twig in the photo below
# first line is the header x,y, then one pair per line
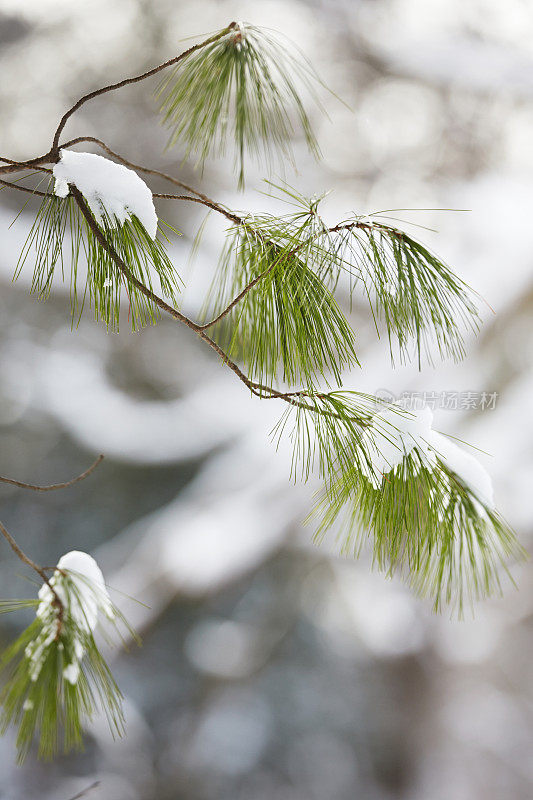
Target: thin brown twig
x,y
57,602
135,79
54,486
28,190
34,163
256,388
85,791
21,554
138,167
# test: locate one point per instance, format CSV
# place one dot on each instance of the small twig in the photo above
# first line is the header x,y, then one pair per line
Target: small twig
x,y
27,189
139,167
85,791
22,555
205,201
57,602
33,163
135,79
54,486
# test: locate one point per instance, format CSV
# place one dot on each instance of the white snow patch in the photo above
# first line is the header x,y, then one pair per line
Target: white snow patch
x,y
109,188
83,600
394,434
466,466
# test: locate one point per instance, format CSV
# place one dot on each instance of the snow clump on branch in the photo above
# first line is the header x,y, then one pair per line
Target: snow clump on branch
x,y
112,191
395,433
79,586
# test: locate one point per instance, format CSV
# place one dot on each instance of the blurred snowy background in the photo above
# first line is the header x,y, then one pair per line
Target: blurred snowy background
x,y
271,669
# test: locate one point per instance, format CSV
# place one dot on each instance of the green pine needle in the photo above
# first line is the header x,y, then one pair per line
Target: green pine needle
x,y
59,220
244,86
423,521
289,322
418,297
38,698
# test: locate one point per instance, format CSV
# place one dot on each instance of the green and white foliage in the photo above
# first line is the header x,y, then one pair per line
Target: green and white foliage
x,y
57,676
244,86
425,503
61,239
289,325
289,267
423,304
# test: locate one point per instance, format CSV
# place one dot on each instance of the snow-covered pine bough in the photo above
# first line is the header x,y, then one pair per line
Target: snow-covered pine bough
x,y
424,503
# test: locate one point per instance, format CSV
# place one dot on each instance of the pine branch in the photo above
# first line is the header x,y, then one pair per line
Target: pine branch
x,y
283,313
57,675
279,276
425,523
104,284
241,85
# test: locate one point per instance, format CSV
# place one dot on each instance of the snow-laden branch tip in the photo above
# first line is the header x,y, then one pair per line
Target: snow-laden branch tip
x,y
79,584
396,432
112,190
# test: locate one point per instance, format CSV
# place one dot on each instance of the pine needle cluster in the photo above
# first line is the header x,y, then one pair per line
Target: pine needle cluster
x,y
57,678
423,304
289,322
423,521
245,86
60,239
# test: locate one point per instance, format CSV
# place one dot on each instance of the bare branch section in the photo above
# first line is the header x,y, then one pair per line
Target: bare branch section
x,y
41,571
21,554
53,486
127,81
85,792
57,602
257,389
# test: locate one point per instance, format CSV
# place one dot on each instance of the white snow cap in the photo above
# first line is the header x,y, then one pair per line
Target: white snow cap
x,y
90,597
396,432
466,466
108,187
393,434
